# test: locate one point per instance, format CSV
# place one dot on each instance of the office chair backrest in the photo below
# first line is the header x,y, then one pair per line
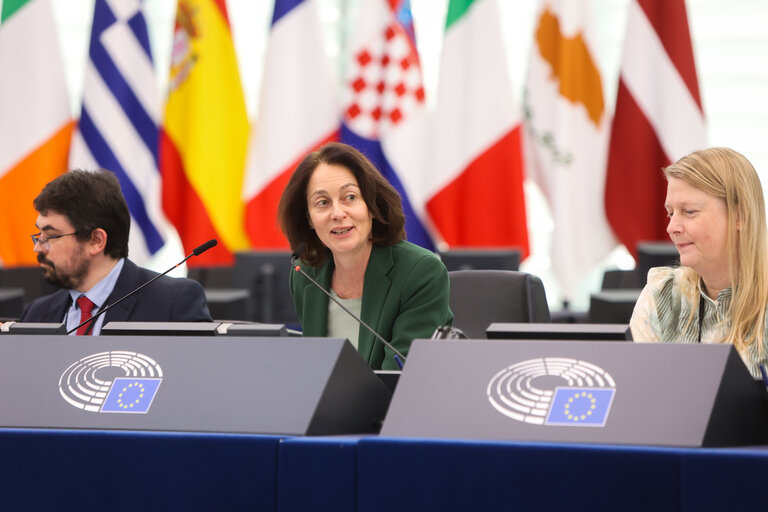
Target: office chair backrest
x,y
497,258
481,297
28,278
265,274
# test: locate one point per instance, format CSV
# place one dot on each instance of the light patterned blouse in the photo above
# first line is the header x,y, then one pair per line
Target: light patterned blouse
x,y
664,307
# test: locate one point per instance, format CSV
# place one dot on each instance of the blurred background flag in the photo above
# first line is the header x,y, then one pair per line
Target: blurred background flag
x,y
566,129
298,112
383,104
118,127
35,120
204,138
658,118
475,188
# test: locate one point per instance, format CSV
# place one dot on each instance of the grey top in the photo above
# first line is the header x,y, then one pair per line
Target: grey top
x,y
663,310
340,324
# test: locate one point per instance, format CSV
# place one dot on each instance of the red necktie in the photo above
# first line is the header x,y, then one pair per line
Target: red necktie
x,y
86,306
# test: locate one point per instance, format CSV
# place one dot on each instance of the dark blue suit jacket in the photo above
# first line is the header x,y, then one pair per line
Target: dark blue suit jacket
x,y
168,299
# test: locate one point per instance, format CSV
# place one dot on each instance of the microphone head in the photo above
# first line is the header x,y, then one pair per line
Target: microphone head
x,y
299,251
207,245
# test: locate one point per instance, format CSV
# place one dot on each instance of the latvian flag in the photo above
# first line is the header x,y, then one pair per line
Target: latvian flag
x,y
658,118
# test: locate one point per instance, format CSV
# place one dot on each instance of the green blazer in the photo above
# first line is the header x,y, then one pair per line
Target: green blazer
x,y
405,296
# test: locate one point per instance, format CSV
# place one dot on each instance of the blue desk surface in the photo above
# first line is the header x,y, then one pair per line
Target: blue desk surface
x,y
55,469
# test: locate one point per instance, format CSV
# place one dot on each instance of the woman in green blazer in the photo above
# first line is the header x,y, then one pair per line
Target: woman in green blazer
x,y
351,220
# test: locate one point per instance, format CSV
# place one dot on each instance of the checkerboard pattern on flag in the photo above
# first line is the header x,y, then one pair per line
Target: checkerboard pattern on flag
x,y
566,129
475,188
35,120
118,127
298,112
658,118
384,113
205,134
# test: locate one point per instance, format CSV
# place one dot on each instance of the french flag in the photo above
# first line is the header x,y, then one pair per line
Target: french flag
x,y
384,110
298,112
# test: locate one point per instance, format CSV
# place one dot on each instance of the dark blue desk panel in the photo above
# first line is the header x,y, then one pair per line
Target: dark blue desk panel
x,y
725,479
118,470
318,473
413,474
97,470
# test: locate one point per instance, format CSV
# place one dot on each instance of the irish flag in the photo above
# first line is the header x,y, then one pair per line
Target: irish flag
x,y
204,139
476,191
35,120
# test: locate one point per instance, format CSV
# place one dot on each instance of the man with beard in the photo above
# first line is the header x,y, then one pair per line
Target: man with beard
x,y
82,247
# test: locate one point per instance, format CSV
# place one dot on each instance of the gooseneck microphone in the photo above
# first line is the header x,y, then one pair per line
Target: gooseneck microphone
x,y
295,255
195,252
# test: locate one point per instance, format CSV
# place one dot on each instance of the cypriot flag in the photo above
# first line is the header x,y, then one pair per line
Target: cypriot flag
x,y
566,127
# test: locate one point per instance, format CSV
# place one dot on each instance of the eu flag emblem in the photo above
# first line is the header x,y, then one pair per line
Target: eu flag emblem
x,y
588,407
131,395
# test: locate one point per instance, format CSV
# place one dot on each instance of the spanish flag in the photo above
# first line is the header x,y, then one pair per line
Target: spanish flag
x,y
204,138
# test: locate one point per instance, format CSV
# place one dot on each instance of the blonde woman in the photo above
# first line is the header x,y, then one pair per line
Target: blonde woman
x,y
719,294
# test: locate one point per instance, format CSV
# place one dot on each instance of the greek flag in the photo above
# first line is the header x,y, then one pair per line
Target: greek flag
x,y
118,127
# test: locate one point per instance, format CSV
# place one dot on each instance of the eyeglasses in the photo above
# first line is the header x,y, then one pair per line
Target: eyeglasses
x,y
45,241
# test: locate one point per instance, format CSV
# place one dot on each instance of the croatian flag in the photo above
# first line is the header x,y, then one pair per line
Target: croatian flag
x,y
298,112
384,111
118,127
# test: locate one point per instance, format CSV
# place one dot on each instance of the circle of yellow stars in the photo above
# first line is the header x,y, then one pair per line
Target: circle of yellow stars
x,y
580,417
125,405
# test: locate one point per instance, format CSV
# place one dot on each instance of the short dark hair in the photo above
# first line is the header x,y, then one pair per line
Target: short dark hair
x,y
383,201
90,200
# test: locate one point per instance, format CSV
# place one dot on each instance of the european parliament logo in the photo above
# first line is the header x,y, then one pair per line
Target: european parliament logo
x,y
554,391
89,383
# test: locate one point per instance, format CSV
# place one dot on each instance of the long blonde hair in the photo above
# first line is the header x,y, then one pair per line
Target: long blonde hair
x,y
727,174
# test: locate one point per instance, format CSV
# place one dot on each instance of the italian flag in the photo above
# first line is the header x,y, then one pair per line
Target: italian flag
x,y
476,187
35,121
205,135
